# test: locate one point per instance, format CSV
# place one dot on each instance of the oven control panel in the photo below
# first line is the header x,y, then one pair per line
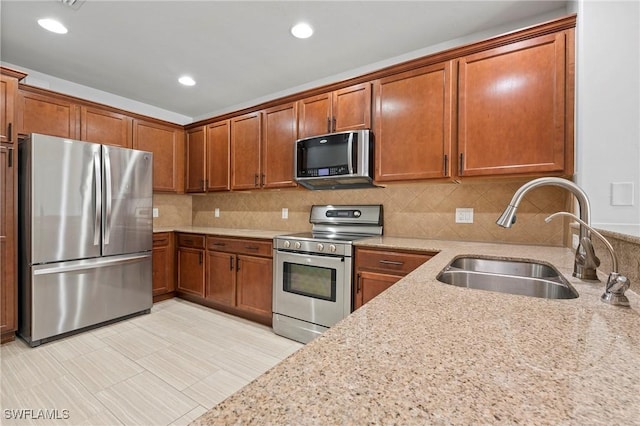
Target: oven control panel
x,y
337,249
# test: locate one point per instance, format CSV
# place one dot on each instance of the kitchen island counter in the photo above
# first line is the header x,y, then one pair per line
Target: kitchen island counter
x,y
424,352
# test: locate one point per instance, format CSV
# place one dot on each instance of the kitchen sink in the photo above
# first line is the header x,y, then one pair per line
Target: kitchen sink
x,y
523,277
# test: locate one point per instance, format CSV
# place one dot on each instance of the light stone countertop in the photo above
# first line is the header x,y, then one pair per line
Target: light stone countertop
x,y
424,352
229,232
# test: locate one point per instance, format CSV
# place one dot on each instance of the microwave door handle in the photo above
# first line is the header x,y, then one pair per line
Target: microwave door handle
x,y
350,153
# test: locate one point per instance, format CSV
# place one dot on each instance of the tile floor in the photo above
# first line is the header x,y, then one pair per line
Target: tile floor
x,y
164,368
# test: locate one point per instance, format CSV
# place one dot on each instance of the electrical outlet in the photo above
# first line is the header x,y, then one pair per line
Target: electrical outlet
x,y
285,213
216,212
464,215
156,213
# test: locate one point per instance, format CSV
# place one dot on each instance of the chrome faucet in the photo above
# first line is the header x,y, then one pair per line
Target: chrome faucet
x,y
586,260
617,283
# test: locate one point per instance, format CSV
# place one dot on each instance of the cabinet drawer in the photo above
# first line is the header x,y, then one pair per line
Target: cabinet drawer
x,y
240,246
161,239
394,262
191,240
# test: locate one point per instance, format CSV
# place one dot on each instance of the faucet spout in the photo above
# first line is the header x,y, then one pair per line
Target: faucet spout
x,y
508,217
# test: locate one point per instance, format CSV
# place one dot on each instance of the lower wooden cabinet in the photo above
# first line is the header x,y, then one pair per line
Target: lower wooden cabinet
x,y
164,269
8,245
230,274
376,270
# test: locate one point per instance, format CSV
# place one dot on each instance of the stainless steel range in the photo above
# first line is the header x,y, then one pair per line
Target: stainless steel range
x,y
312,272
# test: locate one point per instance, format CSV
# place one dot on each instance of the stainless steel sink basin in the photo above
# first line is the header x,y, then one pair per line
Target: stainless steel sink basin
x,y
523,277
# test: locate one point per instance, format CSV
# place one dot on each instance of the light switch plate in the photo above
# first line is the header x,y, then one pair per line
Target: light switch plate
x,y
464,215
285,213
216,212
156,213
622,194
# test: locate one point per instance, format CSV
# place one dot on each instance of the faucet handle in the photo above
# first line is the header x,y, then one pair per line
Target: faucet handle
x,y
614,291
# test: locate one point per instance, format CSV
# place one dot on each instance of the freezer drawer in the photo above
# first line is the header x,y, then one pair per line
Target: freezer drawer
x,y
68,296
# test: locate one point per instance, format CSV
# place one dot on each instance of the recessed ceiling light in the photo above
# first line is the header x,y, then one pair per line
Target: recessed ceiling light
x,y
52,25
187,81
302,30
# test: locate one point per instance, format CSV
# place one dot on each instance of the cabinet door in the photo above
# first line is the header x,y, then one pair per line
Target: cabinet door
x,y
191,276
279,133
352,108
413,124
221,278
196,160
48,115
512,108
371,284
8,97
163,263
8,276
218,156
167,145
314,116
254,284
245,151
105,127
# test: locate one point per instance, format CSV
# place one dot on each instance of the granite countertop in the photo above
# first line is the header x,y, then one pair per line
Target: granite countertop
x,y
229,232
424,352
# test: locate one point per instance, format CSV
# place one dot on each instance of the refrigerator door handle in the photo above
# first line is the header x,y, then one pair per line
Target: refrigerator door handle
x,y
89,265
107,177
98,188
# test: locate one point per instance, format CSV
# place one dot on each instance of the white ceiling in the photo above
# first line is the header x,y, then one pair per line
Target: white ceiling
x,y
237,51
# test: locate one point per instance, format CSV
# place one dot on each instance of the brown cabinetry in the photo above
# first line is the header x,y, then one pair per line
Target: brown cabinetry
x,y
48,114
8,246
167,145
163,266
208,156
376,270
279,133
245,152
106,127
344,109
8,97
239,276
413,124
515,106
191,264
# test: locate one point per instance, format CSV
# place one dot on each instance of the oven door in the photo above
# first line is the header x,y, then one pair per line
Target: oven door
x,y
312,288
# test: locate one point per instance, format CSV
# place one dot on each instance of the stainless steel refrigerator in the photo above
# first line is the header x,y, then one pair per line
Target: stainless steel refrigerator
x,y
85,235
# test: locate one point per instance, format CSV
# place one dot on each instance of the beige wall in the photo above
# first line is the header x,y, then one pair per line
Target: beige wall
x,y
422,210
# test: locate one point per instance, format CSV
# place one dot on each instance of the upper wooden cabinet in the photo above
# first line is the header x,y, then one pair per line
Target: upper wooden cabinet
x,y
8,99
337,111
413,124
245,152
48,114
167,145
279,133
105,127
208,156
515,106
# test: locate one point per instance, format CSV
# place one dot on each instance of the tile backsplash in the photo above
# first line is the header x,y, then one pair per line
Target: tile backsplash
x,y
420,210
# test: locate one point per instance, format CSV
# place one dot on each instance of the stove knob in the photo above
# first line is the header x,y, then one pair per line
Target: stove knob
x,y
287,244
332,248
320,246
297,245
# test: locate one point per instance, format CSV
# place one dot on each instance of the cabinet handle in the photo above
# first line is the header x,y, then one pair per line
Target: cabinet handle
x,y
187,241
252,247
237,264
391,262
231,263
219,244
358,283
262,180
446,165
328,125
461,166
334,124
200,258
202,183
255,180
10,158
9,132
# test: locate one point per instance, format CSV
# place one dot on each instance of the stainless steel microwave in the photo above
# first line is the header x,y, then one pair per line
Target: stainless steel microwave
x,y
335,160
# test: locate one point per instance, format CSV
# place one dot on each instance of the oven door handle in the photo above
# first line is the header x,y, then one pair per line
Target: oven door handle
x,y
282,253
